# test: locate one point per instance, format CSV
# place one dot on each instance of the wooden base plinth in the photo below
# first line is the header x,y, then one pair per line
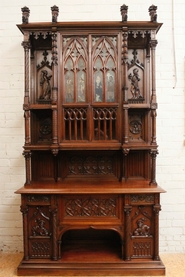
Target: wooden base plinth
x,y
97,259
132,268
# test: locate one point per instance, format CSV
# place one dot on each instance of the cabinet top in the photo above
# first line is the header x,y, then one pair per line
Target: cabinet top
x,y
54,25
90,25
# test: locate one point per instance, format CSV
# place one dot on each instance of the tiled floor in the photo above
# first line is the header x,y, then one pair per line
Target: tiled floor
x,y
175,264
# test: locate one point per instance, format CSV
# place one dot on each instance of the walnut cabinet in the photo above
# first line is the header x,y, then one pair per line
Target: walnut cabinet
x,y
90,202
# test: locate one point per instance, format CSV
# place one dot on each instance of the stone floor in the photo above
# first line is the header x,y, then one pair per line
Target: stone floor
x,y
175,264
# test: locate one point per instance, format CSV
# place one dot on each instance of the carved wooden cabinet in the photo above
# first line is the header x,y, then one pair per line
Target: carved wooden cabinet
x,y
90,202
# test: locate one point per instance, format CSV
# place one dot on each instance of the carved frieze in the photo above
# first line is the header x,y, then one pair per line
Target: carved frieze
x,y
91,165
90,207
38,198
144,198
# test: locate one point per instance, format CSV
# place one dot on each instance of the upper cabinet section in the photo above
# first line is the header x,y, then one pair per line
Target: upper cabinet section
x,y
90,57
90,82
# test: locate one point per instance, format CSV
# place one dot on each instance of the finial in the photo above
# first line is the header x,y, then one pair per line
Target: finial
x,y
25,14
153,14
55,11
123,10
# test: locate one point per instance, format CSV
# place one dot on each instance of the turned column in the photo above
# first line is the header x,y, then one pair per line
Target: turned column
x,y
124,87
27,155
153,104
55,88
153,154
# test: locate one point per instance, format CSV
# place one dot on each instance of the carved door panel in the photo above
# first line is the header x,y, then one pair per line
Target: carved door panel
x,y
142,227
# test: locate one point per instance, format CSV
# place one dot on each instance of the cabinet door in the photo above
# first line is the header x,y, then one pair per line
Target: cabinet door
x,y
89,87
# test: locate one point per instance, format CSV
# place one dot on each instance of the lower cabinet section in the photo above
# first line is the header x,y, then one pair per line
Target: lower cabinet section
x,y
91,234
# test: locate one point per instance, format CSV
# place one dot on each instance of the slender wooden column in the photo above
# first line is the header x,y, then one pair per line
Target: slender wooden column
x,y
55,89
125,152
124,87
53,210
26,45
127,210
156,208
153,154
24,210
27,155
153,44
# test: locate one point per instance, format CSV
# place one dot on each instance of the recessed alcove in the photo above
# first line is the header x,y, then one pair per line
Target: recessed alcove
x,y
91,244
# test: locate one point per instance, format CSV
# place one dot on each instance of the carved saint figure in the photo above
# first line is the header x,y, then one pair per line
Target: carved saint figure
x,y
134,84
69,89
110,88
45,85
143,229
98,89
81,89
40,230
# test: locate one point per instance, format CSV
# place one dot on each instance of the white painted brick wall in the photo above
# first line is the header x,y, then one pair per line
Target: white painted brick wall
x,y
170,120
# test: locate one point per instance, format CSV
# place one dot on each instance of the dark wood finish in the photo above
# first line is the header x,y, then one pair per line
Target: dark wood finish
x,y
90,202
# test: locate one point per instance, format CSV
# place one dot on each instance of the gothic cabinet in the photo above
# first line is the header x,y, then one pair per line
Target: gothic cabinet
x,y
90,202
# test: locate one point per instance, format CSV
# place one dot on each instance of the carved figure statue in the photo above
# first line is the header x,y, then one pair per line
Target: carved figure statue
x,y
69,89
40,230
55,11
25,14
98,89
153,14
45,85
110,88
134,84
143,229
123,10
81,89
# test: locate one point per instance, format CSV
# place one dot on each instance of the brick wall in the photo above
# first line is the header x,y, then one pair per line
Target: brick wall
x,y
170,75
